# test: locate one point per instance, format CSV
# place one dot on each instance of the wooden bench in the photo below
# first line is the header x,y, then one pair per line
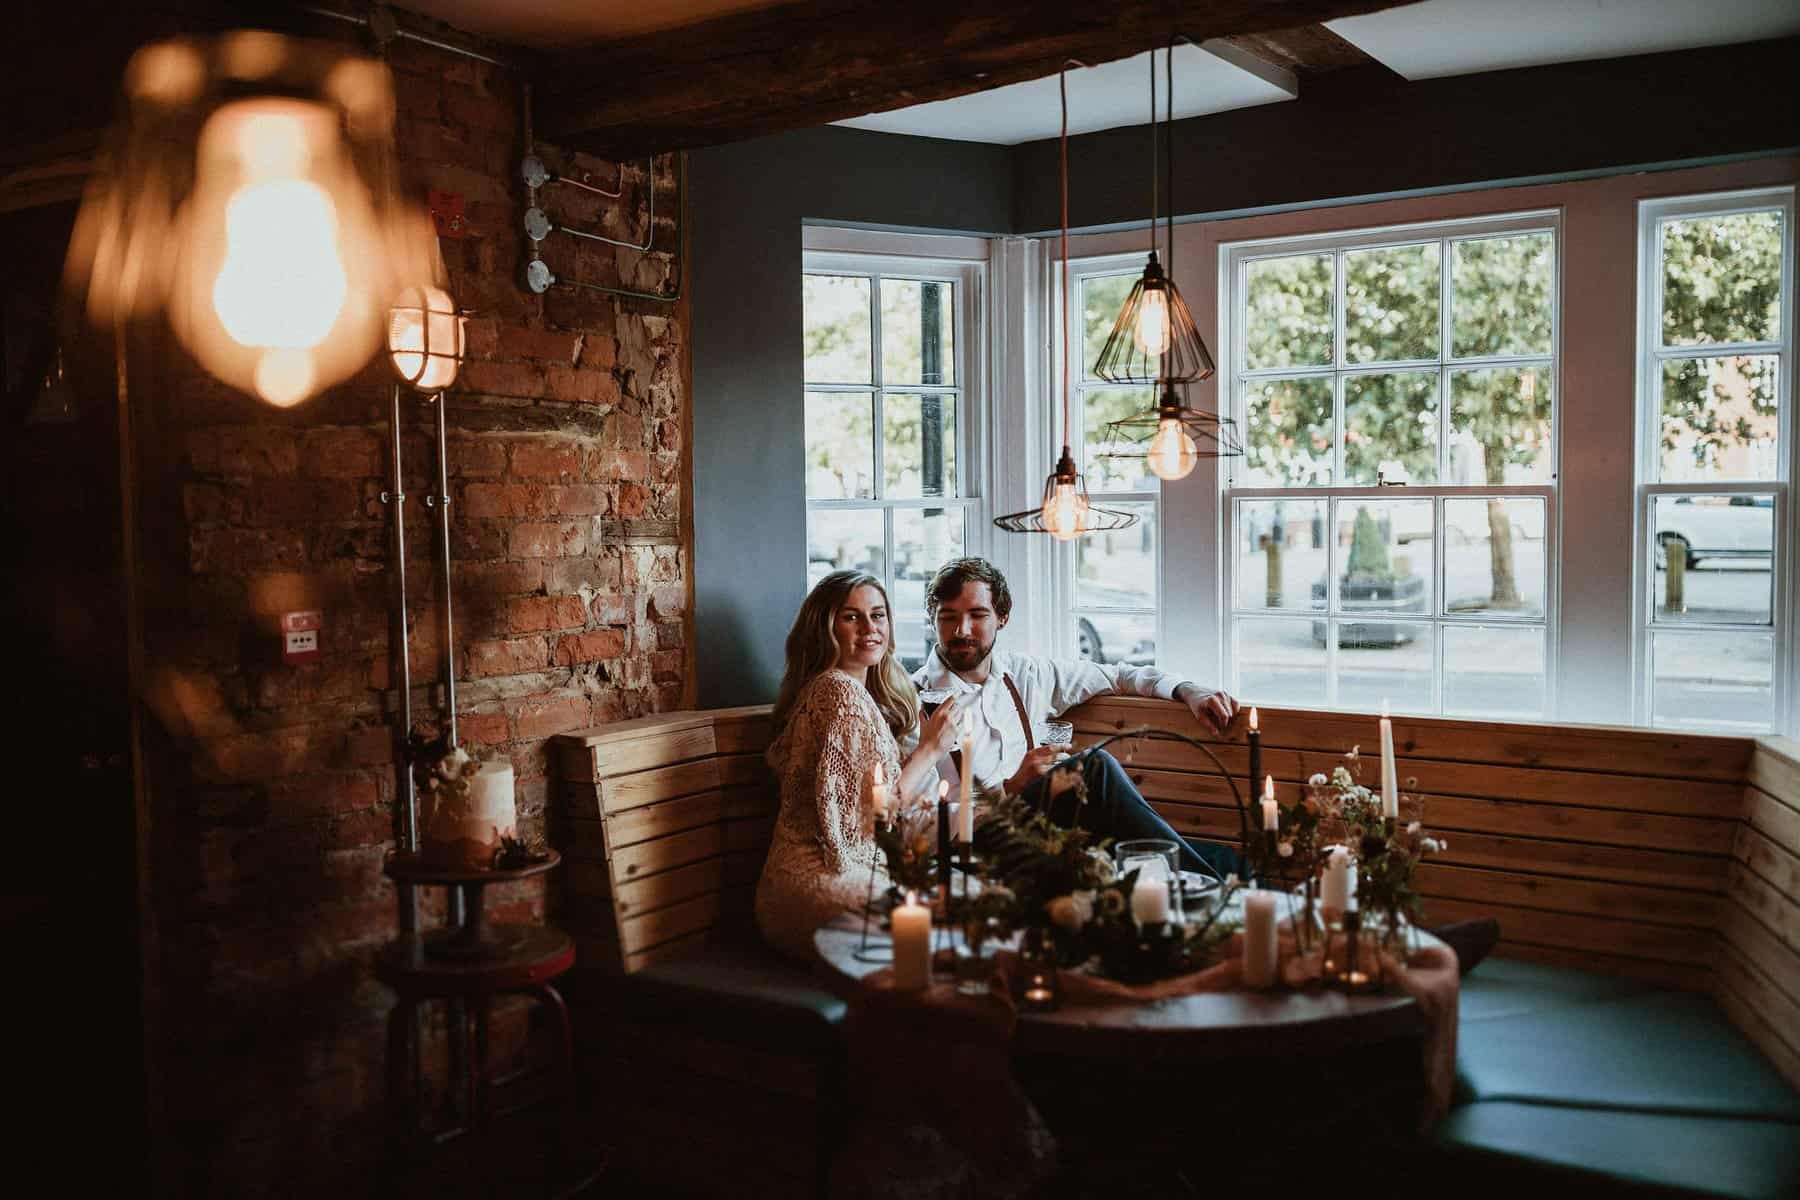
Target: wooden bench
x,y
1668,860
724,1061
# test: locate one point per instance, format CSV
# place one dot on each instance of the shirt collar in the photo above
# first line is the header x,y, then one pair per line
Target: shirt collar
x,y
934,674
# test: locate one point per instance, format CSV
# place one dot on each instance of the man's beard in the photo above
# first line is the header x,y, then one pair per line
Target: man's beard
x,y
965,655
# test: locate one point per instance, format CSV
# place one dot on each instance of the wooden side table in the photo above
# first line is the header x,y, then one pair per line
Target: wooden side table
x,y
471,963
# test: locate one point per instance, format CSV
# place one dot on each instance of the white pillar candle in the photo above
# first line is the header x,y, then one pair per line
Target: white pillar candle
x,y
912,944
1334,888
1271,813
1150,897
965,797
1260,949
1390,791
491,804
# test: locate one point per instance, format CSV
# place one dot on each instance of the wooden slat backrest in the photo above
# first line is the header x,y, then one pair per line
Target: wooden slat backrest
x,y
1759,966
1610,848
665,824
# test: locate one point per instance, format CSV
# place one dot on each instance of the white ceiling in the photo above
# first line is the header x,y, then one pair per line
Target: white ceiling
x,y
1418,41
1102,97
1460,37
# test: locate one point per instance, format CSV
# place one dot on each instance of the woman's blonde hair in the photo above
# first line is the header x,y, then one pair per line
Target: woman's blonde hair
x,y
812,650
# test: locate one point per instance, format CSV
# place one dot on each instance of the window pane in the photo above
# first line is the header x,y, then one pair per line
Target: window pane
x,y
1494,556
1494,671
1281,554
1391,303
1098,406
924,540
843,540
918,445
1289,431
1387,662
1391,428
1722,545
1102,298
1384,558
1289,320
1722,279
840,446
918,333
1501,292
1280,661
1500,426
1719,418
837,329
1118,569
1713,679
1128,638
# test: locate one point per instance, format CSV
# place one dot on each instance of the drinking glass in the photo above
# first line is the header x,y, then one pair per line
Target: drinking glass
x,y
930,698
1055,733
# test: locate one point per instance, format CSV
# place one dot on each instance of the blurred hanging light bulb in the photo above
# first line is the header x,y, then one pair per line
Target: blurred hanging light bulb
x,y
1065,512
282,284
1172,452
1152,329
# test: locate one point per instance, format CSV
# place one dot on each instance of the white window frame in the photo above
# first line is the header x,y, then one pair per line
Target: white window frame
x,y
1234,259
1652,214
1064,640
956,260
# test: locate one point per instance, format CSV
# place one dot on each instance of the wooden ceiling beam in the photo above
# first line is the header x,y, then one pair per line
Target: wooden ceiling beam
x,y
812,62
1306,50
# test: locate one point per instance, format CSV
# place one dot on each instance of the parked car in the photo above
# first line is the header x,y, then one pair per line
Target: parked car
x,y
1704,527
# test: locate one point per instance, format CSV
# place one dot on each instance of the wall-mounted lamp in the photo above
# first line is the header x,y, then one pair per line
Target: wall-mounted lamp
x,y
425,339
250,194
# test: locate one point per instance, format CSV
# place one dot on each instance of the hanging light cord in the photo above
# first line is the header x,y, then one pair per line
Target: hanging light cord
x,y
1062,88
1168,158
1155,148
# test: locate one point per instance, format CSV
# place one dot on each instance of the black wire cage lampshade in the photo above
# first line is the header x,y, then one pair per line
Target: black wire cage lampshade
x,y
1066,512
1172,437
1154,336
425,339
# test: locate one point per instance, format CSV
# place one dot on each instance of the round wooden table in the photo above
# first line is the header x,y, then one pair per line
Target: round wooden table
x,y
1201,1026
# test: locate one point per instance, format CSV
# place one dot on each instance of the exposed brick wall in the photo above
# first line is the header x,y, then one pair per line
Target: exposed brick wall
x,y
272,788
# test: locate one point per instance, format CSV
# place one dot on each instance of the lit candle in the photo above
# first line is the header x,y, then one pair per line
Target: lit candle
x,y
1390,792
1271,813
1335,888
1150,898
912,944
1260,951
965,796
943,825
880,795
1255,748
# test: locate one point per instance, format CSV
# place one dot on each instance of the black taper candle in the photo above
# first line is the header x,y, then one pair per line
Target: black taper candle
x,y
944,847
1255,737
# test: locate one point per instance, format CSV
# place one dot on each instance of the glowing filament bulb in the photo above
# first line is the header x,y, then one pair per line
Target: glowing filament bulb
x,y
1172,453
282,284
425,339
1065,513
1152,330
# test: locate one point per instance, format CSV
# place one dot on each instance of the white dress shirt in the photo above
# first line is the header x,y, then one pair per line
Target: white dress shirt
x,y
1048,687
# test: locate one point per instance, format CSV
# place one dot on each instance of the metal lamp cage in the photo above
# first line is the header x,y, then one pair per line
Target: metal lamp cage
x,y
1185,359
426,339
1089,517
1213,436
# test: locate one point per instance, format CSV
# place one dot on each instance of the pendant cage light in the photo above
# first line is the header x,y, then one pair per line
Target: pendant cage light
x,y
1066,512
250,195
1170,438
1155,337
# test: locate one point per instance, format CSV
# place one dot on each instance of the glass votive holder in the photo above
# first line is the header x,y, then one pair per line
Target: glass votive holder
x,y
1150,856
1351,958
1037,988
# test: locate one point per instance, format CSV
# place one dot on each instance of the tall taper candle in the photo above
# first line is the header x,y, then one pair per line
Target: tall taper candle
x,y
1261,954
965,794
1256,771
1270,811
1390,791
912,944
943,824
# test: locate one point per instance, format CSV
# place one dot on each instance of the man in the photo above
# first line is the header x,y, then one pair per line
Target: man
x,y
1006,696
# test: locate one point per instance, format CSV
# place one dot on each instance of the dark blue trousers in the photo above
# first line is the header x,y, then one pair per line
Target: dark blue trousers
x,y
1116,809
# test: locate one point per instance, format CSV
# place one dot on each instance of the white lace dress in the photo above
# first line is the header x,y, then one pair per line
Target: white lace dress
x,y
824,843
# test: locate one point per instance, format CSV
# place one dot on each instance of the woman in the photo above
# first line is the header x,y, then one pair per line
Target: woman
x,y
844,701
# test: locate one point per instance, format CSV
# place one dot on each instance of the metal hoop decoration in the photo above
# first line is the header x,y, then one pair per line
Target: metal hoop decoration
x,y
1213,436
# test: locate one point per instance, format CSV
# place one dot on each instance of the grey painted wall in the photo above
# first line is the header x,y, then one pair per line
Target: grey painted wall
x,y
1359,134
748,204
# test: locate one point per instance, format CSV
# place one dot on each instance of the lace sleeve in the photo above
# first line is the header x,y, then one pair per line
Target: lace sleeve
x,y
847,745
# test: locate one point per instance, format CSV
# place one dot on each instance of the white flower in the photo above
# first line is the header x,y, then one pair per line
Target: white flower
x,y
451,765
1104,867
1231,880
1064,913
1318,780
1412,829
1285,849
1433,845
